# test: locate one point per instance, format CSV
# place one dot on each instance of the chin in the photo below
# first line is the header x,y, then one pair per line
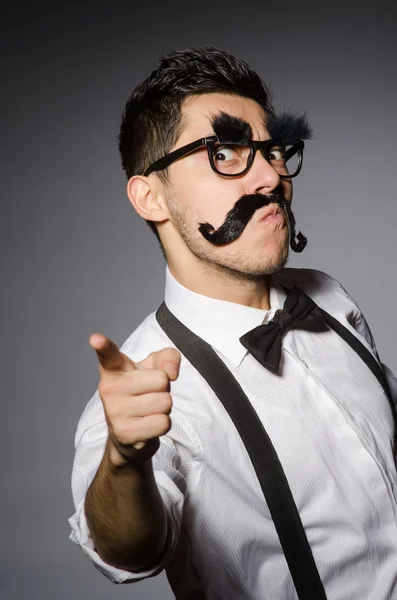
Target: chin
x,y
256,270
275,266
271,260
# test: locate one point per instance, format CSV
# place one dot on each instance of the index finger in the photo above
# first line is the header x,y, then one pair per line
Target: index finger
x,y
109,356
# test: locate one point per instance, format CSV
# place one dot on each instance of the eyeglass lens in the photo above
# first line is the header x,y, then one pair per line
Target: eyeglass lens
x,y
233,159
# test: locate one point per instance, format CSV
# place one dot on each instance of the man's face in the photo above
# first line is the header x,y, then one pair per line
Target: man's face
x,y
196,194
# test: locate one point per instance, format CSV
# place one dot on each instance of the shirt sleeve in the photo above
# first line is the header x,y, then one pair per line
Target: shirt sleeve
x,y
90,443
392,383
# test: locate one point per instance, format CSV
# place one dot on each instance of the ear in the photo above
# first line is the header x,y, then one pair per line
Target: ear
x,y
146,198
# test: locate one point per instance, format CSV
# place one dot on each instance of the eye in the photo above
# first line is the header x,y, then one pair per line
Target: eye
x,y
225,154
230,159
277,154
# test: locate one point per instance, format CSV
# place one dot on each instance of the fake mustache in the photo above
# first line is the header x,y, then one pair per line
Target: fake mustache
x,y
238,217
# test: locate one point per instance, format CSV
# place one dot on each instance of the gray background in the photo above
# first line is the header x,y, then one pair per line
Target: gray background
x,y
77,259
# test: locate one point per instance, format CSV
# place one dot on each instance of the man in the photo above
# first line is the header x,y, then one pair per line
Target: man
x,y
163,476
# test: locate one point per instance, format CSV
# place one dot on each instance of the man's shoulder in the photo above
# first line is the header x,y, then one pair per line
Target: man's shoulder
x,y
320,286
305,278
331,296
148,337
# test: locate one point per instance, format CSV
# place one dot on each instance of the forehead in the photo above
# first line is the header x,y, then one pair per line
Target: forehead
x,y
198,113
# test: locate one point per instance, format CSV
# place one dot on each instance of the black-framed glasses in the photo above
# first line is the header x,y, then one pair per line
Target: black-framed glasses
x,y
234,160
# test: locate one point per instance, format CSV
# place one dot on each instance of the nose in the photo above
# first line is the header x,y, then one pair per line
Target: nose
x,y
261,177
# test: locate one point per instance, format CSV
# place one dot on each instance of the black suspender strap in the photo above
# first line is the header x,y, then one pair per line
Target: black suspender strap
x,y
366,356
261,451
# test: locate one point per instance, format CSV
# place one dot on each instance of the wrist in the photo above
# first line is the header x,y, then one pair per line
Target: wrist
x,y
137,461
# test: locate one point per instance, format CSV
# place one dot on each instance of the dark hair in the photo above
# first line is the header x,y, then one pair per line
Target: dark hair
x,y
151,122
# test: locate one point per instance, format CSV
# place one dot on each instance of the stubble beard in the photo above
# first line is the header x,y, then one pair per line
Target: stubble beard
x,y
236,266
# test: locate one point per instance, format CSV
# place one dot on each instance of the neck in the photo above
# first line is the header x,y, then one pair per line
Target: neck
x,y
222,283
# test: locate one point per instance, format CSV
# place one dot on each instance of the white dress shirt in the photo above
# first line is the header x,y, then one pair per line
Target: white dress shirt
x,y
330,423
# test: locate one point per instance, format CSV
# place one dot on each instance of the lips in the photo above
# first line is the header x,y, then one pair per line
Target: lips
x,y
271,211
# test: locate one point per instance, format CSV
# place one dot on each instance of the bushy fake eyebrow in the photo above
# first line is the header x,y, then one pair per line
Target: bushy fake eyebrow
x,y
230,129
287,128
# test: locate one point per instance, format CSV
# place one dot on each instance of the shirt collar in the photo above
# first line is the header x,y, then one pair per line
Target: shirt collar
x,y
218,322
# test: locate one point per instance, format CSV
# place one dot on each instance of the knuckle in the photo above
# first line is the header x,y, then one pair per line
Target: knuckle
x,y
163,423
162,379
111,387
113,411
123,432
105,388
166,401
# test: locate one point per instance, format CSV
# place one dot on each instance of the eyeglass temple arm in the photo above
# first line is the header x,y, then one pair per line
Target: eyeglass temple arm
x,y
295,148
165,161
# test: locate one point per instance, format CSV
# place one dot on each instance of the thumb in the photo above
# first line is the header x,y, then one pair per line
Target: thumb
x,y
111,360
167,359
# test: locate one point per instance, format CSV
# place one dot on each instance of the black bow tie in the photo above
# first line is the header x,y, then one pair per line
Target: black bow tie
x,y
299,312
